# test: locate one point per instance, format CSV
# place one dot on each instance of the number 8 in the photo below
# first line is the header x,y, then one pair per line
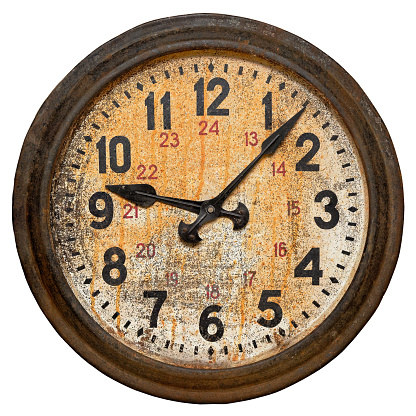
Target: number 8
x,y
111,264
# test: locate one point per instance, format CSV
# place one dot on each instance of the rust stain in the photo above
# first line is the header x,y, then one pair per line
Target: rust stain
x,y
200,167
201,170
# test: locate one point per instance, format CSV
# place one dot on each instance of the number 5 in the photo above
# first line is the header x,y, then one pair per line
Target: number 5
x,y
265,304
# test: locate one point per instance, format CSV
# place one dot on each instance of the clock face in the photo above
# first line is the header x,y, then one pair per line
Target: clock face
x,y
184,126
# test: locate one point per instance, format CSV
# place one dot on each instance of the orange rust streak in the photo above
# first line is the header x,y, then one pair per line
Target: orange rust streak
x,y
118,310
174,325
202,170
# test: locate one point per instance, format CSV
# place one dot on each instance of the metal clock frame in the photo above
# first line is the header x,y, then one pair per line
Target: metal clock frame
x,y
32,192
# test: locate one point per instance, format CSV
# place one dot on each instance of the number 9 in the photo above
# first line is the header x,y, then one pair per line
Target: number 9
x,y
106,212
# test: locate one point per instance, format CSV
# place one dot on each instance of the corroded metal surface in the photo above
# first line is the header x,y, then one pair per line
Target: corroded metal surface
x,y
68,307
202,155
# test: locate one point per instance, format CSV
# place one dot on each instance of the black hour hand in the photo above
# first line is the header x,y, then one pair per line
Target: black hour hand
x,y
144,195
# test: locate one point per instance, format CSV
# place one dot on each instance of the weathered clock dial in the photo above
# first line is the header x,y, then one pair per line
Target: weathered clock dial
x,y
184,126
211,209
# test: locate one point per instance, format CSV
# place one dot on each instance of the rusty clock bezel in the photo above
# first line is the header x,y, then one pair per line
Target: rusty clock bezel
x,y
32,191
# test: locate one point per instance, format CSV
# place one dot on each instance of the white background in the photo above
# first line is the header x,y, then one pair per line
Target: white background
x,y
43,40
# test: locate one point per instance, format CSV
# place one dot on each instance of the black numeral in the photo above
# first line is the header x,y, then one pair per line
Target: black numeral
x,y
315,272
199,89
149,102
106,212
303,164
165,101
112,147
329,208
160,296
205,321
212,109
265,304
111,264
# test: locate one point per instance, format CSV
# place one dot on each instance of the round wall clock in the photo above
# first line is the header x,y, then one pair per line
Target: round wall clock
x,y
208,208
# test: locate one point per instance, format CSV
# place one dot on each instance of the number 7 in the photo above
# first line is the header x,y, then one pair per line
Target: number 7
x,y
160,295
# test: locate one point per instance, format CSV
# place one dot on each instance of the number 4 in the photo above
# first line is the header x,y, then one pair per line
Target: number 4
x,y
315,272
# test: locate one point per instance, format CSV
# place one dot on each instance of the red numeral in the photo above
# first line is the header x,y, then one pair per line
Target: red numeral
x,y
251,138
293,208
172,279
129,208
213,129
202,131
174,139
281,169
146,250
151,176
248,278
166,136
142,170
212,291
280,249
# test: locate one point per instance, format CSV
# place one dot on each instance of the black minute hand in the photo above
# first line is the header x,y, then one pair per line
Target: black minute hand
x,y
268,147
211,209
